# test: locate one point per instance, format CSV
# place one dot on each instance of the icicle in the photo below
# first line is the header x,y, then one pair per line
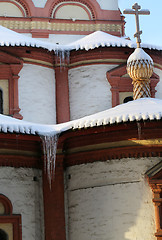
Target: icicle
x,y
139,129
50,149
67,54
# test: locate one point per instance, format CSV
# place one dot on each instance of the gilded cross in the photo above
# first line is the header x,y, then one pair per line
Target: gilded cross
x,y
135,10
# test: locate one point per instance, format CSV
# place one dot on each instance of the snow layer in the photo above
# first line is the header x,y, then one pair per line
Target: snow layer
x,y
102,39
139,54
141,109
11,38
94,40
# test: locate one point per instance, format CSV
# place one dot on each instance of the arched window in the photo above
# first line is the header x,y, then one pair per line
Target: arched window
x,y
14,8
3,235
10,224
1,101
73,9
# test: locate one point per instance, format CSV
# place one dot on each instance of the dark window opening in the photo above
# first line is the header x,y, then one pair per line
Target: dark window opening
x,y
3,235
128,99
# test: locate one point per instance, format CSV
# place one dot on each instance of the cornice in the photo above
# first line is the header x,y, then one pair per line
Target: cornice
x,y
129,140
19,150
51,26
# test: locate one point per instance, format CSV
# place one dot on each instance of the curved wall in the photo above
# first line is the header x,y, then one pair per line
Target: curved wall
x,y
111,200
159,85
89,90
37,94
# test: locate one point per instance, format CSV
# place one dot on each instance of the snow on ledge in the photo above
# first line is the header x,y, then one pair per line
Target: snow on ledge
x,y
102,39
91,41
12,38
141,109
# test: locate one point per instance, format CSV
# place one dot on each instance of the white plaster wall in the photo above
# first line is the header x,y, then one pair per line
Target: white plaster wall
x,y
89,90
39,3
111,200
10,10
159,85
108,4
37,94
71,12
26,197
62,38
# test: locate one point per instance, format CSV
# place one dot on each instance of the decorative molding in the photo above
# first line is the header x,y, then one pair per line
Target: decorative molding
x,y
111,142
18,150
37,62
154,176
15,220
62,26
85,8
7,205
22,4
10,72
9,218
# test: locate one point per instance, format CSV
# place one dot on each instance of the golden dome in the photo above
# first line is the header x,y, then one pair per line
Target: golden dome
x,y
140,65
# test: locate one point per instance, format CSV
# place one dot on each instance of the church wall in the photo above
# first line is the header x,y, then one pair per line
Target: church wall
x,y
61,38
26,197
11,10
159,85
37,94
111,200
89,90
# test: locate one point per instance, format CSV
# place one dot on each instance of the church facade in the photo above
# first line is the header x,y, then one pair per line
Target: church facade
x,y
107,180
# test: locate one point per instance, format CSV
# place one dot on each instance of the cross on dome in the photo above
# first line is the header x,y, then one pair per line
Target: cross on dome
x,y
135,10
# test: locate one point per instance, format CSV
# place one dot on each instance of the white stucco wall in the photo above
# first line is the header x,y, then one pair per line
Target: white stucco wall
x,y
37,94
108,4
89,90
10,10
72,12
111,200
62,38
26,197
159,85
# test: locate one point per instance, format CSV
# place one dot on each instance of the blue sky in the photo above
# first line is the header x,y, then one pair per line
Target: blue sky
x,y
151,25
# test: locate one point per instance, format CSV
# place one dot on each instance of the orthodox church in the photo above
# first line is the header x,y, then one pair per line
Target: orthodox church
x,y
78,158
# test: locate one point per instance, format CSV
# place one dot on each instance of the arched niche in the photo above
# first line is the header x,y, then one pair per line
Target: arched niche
x,y
121,84
3,235
10,224
73,9
13,8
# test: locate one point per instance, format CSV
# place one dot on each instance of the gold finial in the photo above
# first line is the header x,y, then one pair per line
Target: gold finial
x,y
135,10
139,63
140,69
